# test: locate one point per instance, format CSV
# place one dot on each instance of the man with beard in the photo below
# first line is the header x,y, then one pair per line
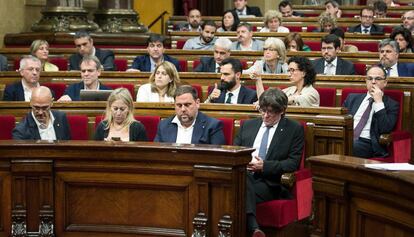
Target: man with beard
x,y
206,39
230,90
222,48
193,21
408,21
42,123
286,8
188,125
245,41
330,64
388,53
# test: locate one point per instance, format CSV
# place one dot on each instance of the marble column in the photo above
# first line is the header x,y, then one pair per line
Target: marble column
x,y
118,16
63,16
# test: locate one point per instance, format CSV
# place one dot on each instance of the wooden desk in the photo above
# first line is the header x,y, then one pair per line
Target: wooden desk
x,y
354,201
121,189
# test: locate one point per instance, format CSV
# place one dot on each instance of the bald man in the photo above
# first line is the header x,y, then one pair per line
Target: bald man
x,y
41,123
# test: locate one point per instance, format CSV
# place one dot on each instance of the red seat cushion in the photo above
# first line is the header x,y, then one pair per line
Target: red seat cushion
x,y
121,64
57,88
78,127
7,124
327,96
276,213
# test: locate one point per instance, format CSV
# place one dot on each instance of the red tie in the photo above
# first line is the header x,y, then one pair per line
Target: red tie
x,y
364,119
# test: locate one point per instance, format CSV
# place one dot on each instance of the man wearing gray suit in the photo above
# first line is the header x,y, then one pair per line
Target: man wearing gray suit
x,y
245,41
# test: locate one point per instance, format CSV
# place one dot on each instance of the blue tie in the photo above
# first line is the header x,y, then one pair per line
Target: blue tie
x,y
263,144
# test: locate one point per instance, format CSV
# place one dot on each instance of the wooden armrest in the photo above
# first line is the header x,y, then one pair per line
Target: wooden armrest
x,y
288,180
385,139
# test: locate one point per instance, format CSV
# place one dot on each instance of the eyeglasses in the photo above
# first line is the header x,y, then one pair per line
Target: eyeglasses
x,y
375,78
41,108
407,18
292,70
270,49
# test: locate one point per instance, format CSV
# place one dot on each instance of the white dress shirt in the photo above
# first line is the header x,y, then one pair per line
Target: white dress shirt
x,y
259,136
184,135
47,133
330,70
234,97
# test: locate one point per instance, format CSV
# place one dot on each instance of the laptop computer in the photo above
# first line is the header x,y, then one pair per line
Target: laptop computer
x,y
94,95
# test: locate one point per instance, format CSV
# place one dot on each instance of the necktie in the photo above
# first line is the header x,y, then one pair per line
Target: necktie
x,y
330,69
363,121
218,69
388,69
365,30
228,101
263,144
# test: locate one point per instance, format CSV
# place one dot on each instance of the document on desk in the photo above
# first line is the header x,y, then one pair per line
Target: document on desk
x,y
391,166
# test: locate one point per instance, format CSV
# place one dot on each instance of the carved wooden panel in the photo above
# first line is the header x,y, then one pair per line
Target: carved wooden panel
x,y
5,204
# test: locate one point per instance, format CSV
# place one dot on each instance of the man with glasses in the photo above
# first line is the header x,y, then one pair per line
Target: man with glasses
x,y
41,123
408,21
155,56
330,63
374,114
278,143
367,25
245,41
90,71
389,52
30,67
222,48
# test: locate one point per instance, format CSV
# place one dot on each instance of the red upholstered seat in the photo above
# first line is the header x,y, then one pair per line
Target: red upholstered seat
x,y
7,124
199,90
129,87
196,63
314,45
180,44
370,46
57,88
294,28
360,69
228,129
312,28
183,65
121,64
78,127
61,63
327,96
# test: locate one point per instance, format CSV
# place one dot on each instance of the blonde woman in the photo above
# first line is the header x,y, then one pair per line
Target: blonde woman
x,y
40,49
162,84
327,22
273,22
119,123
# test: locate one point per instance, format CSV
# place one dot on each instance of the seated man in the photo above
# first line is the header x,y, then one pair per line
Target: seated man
x,y
206,39
222,48
188,125
90,71
389,52
330,63
245,41
278,143
408,21
380,9
242,10
193,21
367,25
374,114
155,56
3,63
30,68
230,90
286,8
332,7
42,123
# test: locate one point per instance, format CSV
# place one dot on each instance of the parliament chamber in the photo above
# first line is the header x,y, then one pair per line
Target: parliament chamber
x,y
112,188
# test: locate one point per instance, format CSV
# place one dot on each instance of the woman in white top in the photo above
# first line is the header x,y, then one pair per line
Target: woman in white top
x,y
162,84
273,61
273,22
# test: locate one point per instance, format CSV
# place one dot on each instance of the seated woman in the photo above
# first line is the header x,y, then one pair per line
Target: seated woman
x,y
404,39
229,22
40,49
326,22
302,75
119,123
273,61
273,22
162,84
293,42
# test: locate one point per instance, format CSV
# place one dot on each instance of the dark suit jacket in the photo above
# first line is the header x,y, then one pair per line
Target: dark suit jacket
x,y
246,96
295,13
343,67
405,69
73,91
3,63
206,131
27,128
374,29
143,63
252,11
136,132
382,122
106,57
14,92
207,64
285,150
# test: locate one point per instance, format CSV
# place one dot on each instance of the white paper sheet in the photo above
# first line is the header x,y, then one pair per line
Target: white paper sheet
x,y
391,166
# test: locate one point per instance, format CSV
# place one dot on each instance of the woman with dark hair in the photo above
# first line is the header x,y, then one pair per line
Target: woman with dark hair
x,y
302,76
404,39
293,42
229,22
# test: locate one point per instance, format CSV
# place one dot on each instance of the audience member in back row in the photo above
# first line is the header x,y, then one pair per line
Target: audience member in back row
x,y
404,39
273,61
30,68
241,8
162,84
222,50
3,63
293,42
155,56
206,39
84,46
119,123
40,49
389,53
326,22
286,8
332,7
42,123
374,114
341,35
330,63
367,25
380,9
245,41
193,21
230,90
229,21
90,71
273,22
188,125
302,76
408,21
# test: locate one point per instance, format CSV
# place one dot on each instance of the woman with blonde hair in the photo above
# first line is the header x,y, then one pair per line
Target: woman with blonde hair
x,y
327,22
162,84
119,123
40,49
273,22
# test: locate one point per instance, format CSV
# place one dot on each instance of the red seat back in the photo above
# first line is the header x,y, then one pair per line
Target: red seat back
x,y
199,90
180,44
78,127
121,64
183,65
327,96
294,28
61,63
7,124
57,88
129,87
370,46
360,69
228,129
314,45
196,63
